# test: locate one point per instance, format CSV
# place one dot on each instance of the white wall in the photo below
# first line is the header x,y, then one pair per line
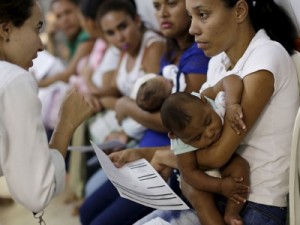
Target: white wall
x,y
293,8
146,11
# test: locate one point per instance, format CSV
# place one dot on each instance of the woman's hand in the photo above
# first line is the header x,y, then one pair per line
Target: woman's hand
x,y
128,155
120,108
93,102
74,110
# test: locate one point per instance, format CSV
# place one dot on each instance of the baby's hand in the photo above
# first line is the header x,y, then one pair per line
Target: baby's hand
x,y
233,189
234,114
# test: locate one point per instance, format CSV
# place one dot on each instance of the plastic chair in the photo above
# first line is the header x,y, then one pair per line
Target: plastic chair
x,y
296,59
294,174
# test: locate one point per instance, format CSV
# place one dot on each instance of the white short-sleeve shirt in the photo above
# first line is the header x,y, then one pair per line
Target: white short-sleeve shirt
x,y
267,145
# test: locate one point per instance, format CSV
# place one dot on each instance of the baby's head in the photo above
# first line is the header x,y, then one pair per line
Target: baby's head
x,y
191,119
153,93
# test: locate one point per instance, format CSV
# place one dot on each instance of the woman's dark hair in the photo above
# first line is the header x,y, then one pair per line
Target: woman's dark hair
x,y
268,15
117,5
75,2
173,48
89,8
16,12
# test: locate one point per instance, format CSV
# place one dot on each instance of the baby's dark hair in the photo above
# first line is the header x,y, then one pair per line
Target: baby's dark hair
x,y
174,111
274,19
16,12
151,95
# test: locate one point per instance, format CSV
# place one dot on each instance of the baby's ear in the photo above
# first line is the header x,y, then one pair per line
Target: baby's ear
x,y
171,135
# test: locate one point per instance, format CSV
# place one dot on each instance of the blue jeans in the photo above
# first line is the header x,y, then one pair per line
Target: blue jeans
x,y
105,207
259,214
95,181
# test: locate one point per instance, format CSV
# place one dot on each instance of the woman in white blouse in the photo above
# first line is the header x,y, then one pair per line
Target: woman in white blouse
x,y
33,169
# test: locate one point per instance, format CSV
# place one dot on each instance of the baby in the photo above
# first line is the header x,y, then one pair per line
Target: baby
x,y
194,123
149,92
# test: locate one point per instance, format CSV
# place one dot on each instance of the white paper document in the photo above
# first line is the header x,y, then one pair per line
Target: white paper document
x,y
139,181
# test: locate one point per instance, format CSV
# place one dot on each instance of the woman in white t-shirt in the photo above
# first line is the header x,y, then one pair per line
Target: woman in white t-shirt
x,y
140,53
254,40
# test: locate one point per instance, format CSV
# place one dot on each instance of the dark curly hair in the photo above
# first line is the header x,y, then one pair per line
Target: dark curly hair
x,y
16,11
174,112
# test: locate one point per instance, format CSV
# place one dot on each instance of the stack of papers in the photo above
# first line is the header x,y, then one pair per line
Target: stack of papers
x,y
138,181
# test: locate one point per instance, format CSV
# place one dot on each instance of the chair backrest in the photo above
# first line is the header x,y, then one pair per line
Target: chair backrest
x,y
296,59
294,195
294,175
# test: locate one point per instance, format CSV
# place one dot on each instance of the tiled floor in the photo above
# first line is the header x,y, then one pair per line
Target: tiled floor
x,y
57,213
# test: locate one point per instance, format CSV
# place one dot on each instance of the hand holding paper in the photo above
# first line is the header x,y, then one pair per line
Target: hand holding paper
x,y
138,181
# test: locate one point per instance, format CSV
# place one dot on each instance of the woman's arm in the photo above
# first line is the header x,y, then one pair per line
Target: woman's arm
x,y
194,82
82,50
129,155
74,110
258,89
108,102
108,87
125,107
152,56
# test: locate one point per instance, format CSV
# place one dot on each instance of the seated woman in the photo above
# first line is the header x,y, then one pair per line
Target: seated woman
x,y
262,65
93,75
181,51
34,170
138,46
78,41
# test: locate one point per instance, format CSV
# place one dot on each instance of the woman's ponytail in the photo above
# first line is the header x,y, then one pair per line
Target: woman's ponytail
x,y
266,14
